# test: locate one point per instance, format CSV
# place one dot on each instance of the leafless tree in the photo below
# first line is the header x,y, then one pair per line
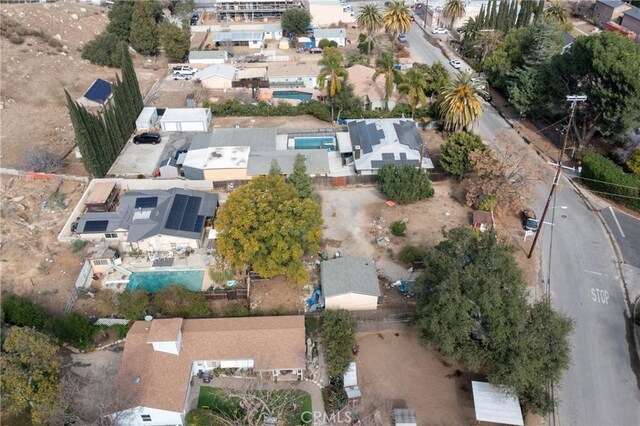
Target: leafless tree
x,y
41,160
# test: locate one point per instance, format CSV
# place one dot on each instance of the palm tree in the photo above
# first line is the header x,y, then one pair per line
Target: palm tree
x,y
370,20
385,65
333,72
397,17
460,103
454,9
558,11
414,86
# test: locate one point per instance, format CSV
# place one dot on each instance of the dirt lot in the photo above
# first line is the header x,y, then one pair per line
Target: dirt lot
x,y
300,122
278,295
414,377
39,74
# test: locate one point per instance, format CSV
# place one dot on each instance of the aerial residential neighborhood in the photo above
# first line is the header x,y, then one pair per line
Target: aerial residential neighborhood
x,y
320,212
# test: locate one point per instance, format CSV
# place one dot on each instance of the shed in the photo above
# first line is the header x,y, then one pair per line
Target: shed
x,y
208,57
482,220
98,94
350,377
186,120
102,197
404,417
349,283
354,396
495,404
147,119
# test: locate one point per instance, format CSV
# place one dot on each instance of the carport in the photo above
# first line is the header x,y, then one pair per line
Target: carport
x,y
495,404
186,120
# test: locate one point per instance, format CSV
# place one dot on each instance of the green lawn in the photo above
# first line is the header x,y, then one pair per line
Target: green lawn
x,y
217,401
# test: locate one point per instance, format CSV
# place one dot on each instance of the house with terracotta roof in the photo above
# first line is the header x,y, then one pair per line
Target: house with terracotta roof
x,y
162,360
370,91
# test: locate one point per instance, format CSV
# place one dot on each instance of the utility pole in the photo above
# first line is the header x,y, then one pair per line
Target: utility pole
x,y
556,180
424,15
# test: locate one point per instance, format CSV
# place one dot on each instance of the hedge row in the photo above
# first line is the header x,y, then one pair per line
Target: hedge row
x,y
605,176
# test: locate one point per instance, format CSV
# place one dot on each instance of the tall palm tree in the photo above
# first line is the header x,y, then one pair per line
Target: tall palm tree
x,y
414,86
557,10
460,103
385,65
332,74
454,9
397,17
370,20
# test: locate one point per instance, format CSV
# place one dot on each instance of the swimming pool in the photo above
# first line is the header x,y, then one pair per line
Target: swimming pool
x,y
292,94
154,281
315,142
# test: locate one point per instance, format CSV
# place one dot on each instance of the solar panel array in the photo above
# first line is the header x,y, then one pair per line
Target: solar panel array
x,y
146,202
376,164
388,156
95,226
99,91
183,215
408,134
365,135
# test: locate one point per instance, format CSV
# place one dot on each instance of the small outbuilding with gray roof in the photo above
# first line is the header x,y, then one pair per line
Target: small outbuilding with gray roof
x,y
349,283
339,35
207,57
316,160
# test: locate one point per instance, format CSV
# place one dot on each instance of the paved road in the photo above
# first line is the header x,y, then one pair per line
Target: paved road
x,y
601,386
626,230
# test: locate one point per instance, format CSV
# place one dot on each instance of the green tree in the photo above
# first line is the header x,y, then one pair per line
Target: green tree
x,y
507,57
404,184
104,50
182,8
370,20
295,21
74,328
454,154
144,33
133,305
338,338
414,86
300,179
603,67
454,9
175,41
21,311
396,18
120,19
30,367
332,73
472,306
460,105
633,162
385,66
347,103
178,301
275,169
267,225
559,11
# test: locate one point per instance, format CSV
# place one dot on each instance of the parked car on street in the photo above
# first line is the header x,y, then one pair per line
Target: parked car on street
x,y
438,30
529,220
152,138
484,94
315,50
194,19
184,69
402,38
177,76
455,63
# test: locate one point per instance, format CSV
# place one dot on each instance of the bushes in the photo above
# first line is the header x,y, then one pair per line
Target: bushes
x,y
75,329
410,254
399,228
403,185
310,324
23,312
326,43
604,176
338,337
41,160
105,50
454,155
178,301
78,245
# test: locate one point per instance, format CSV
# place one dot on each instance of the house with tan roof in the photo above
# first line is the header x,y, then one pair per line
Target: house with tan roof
x,y
370,91
293,74
162,360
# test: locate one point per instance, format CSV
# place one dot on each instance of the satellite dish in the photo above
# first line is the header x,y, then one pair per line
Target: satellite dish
x,y
148,318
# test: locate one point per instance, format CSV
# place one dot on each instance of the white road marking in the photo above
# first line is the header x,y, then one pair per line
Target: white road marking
x,y
617,223
594,272
548,223
600,296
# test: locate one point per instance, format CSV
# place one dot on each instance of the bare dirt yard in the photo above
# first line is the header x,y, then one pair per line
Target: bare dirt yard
x,y
299,122
278,295
32,102
396,371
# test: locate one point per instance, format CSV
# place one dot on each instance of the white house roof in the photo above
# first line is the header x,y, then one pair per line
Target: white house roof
x,y
207,54
321,33
350,377
218,70
495,405
238,36
185,114
224,157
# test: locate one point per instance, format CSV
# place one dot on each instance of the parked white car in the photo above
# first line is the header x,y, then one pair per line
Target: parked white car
x,y
177,76
184,70
455,63
439,31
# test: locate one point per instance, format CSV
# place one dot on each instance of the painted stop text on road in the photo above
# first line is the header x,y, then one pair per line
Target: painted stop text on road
x,y
600,296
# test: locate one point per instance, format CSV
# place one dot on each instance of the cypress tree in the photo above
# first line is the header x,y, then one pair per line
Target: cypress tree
x,y
480,19
501,20
493,16
113,133
513,14
82,136
520,18
131,80
539,13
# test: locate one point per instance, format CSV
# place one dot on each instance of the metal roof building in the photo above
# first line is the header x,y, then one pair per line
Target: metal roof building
x,y
349,283
260,161
494,404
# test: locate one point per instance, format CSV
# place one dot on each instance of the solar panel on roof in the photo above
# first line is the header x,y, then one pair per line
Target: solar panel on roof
x,y
177,211
199,224
388,156
403,156
190,215
95,226
146,202
99,91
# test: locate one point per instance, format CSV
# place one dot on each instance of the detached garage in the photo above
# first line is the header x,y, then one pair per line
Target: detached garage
x,y
186,120
349,283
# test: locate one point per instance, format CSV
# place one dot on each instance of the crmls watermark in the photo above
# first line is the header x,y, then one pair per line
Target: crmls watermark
x,y
321,418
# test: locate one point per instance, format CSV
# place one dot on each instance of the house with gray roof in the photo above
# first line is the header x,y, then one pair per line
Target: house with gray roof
x,y
608,10
631,21
349,283
252,39
152,220
317,161
208,57
377,142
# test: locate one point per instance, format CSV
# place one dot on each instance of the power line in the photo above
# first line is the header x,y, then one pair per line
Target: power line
x,y
615,195
608,183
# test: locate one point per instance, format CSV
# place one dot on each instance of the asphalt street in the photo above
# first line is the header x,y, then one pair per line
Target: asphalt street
x,y
601,387
626,230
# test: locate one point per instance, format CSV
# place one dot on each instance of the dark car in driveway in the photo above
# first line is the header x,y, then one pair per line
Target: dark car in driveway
x,y
152,138
529,220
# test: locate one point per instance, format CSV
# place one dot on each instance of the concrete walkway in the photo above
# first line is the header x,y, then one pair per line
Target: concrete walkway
x,y
312,389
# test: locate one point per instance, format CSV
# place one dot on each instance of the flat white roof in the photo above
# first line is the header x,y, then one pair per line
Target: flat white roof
x,y
185,114
146,114
219,157
350,377
494,404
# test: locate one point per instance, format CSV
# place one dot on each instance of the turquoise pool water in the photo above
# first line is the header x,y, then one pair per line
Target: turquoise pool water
x,y
315,142
292,94
154,281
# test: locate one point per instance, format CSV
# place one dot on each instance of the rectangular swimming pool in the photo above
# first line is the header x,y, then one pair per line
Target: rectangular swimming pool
x,y
292,94
154,281
315,142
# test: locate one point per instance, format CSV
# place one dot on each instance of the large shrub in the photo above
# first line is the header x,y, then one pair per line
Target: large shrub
x,y
454,155
74,328
178,301
338,338
609,180
403,184
410,254
23,312
105,50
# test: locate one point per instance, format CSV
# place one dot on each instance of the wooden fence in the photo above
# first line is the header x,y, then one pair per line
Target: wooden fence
x,y
230,294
